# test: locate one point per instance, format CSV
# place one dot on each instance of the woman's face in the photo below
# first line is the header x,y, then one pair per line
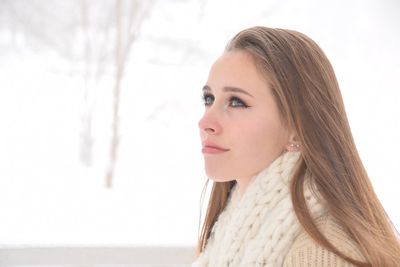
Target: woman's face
x,y
242,118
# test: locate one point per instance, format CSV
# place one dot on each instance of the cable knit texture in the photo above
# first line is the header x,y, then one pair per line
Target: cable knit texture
x,y
259,227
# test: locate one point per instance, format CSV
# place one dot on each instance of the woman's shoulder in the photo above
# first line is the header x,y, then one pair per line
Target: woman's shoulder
x,y
306,252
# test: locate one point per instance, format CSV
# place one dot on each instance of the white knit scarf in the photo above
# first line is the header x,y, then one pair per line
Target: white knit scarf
x,y
259,227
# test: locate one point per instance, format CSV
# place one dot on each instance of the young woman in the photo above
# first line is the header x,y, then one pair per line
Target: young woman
x,y
289,186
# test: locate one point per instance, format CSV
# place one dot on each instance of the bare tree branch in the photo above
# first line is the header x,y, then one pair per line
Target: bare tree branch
x,y
138,12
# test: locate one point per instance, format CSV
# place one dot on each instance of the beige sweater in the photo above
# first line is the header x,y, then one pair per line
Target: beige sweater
x,y
306,252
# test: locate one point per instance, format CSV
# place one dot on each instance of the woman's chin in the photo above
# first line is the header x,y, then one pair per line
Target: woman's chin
x,y
219,178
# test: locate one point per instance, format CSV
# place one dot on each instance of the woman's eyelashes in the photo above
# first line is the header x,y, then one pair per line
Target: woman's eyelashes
x,y
207,99
233,101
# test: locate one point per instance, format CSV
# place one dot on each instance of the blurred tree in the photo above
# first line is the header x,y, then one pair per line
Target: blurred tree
x,y
94,36
129,16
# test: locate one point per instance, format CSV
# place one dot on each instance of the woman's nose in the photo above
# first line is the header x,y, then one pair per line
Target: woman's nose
x,y
209,124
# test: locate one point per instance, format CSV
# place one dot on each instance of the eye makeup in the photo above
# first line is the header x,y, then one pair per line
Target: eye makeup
x,y
233,101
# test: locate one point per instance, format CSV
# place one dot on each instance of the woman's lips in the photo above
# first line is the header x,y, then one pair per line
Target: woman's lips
x,y
212,149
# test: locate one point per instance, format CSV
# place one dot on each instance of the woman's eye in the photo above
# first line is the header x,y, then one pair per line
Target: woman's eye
x,y
236,102
208,99
233,101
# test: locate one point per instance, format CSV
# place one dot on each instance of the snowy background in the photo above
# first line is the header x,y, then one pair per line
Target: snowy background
x,y
56,116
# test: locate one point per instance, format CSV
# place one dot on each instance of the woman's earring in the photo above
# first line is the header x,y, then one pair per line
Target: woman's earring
x,y
293,147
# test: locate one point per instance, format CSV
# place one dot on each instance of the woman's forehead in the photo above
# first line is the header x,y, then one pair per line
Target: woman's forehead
x,y
236,69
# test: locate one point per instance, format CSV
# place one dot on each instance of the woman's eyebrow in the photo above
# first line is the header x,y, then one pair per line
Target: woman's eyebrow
x,y
229,89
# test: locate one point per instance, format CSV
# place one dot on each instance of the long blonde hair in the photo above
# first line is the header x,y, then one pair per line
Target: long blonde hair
x,y
309,100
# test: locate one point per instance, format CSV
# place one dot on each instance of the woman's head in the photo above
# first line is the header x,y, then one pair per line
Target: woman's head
x,y
294,93
301,102
241,117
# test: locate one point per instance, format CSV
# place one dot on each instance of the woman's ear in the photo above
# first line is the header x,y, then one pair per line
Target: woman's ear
x,y
293,144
